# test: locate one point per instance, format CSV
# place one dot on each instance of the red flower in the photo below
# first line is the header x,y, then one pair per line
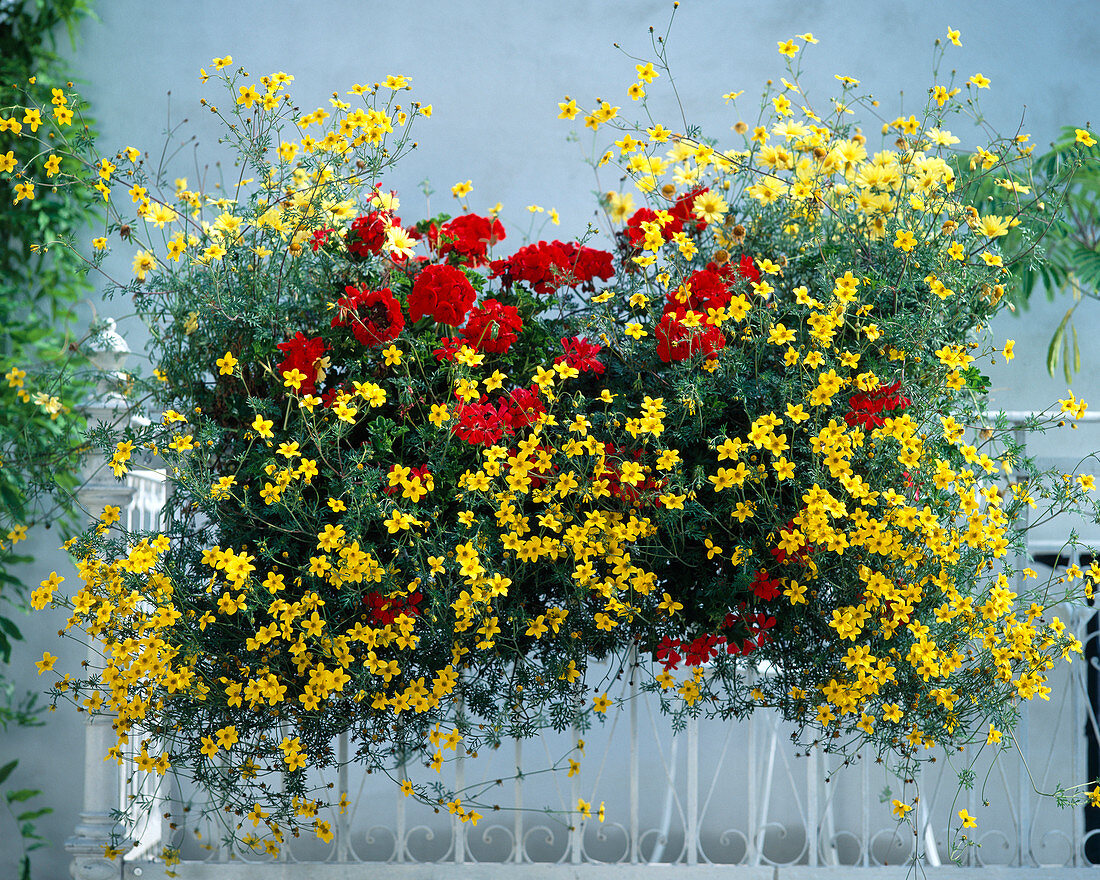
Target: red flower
x,y
522,408
449,347
375,315
702,649
677,342
303,354
666,653
368,233
707,289
636,235
747,269
868,406
547,266
588,264
492,327
443,293
384,610
581,355
320,238
479,423
469,237
764,587
684,209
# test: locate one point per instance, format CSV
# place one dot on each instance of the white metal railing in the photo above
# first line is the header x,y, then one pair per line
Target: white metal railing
x,y
712,794
715,793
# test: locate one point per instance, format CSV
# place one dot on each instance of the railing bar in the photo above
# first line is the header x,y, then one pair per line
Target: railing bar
x,y
813,832
752,855
574,813
635,794
457,823
865,811
766,787
517,821
343,824
402,831
692,841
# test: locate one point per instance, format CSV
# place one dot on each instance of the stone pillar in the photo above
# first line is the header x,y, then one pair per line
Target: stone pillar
x,y
108,352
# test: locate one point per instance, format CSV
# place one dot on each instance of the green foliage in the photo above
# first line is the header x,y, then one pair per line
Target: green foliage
x,y
42,278
1064,199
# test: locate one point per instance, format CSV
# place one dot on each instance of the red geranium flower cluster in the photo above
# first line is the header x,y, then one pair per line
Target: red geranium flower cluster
x,y
755,625
302,354
492,327
868,406
580,354
677,342
320,239
486,423
547,266
765,587
384,610
703,290
442,293
682,213
479,422
709,288
468,236
522,408
368,233
374,315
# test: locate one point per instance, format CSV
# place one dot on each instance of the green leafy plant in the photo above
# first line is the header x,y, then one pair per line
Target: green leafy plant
x,y
42,278
1067,263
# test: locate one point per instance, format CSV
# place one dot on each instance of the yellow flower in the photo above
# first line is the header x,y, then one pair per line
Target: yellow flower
x,y
392,356
669,605
905,241
263,426
568,108
900,808
982,82
144,263
226,363
293,379
967,820
1084,137
46,663
600,703
460,190
247,96
710,207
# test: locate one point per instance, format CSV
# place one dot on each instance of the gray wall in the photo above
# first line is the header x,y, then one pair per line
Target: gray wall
x,y
494,71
